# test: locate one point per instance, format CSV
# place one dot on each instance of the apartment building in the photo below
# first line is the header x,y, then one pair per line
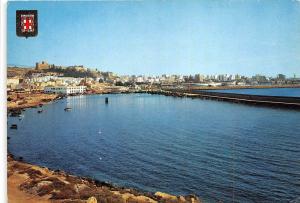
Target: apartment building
x,y
65,89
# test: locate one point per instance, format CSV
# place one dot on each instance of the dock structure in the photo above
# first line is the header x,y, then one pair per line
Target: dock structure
x,y
272,101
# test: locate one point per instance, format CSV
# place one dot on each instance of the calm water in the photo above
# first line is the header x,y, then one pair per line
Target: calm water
x,y
217,150
286,92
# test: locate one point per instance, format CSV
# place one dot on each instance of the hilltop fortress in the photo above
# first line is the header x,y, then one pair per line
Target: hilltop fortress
x,y
42,66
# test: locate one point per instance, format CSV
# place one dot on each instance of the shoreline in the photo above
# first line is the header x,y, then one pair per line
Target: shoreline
x,y
35,183
268,101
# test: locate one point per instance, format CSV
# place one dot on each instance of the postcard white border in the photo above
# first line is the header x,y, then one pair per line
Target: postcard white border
x,y
3,126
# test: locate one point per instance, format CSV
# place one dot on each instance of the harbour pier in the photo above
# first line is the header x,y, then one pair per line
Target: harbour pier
x,y
258,100
272,101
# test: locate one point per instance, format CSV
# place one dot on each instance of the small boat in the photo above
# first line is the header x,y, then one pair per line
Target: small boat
x,y
14,126
40,111
16,113
68,109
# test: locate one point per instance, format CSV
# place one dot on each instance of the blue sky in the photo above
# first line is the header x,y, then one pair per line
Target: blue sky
x,y
156,37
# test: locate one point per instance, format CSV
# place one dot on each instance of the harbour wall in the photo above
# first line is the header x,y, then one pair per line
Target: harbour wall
x,y
270,101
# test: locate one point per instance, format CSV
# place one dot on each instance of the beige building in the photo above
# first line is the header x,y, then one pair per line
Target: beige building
x,y
42,66
12,83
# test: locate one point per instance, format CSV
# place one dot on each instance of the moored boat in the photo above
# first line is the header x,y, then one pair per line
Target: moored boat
x,y
14,126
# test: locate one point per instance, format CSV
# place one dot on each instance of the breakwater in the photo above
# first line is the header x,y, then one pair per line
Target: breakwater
x,y
270,101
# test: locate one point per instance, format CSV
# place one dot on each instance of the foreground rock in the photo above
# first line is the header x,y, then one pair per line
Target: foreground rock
x,y
30,183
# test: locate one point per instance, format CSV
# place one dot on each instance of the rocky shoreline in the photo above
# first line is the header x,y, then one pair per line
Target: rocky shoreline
x,y
46,185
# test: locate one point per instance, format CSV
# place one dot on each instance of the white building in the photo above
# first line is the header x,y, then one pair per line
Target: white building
x,y
12,83
69,80
65,89
43,78
140,79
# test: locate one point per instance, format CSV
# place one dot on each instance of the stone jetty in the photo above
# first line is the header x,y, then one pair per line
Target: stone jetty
x,y
268,101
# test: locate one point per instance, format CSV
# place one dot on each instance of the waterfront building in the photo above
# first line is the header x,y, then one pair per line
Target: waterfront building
x,y
241,83
201,84
229,83
65,89
214,84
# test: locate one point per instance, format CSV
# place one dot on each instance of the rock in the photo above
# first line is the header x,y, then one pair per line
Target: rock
x,y
92,200
181,199
193,199
165,196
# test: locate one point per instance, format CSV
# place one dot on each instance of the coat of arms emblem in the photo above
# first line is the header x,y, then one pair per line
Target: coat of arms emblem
x,y
26,23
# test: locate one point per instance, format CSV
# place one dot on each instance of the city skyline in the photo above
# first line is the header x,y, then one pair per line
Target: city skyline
x,y
294,75
158,37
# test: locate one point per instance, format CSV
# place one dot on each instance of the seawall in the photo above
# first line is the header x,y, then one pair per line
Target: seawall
x,y
268,101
